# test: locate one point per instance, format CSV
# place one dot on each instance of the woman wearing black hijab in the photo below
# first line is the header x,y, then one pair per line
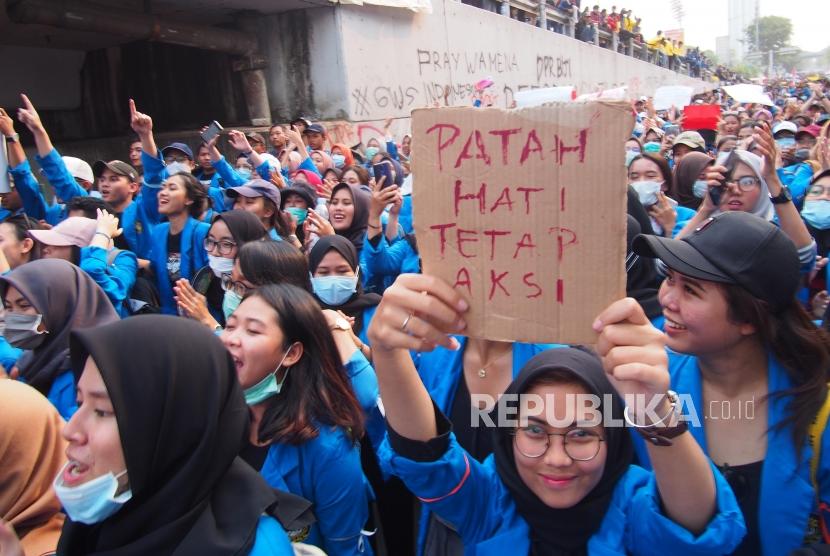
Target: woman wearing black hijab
x,y
162,415
335,279
348,215
560,480
45,300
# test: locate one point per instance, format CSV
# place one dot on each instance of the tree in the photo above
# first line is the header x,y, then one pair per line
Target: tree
x,y
773,34
711,56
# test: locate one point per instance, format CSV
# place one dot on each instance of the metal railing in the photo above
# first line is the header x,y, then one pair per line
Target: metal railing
x,y
543,14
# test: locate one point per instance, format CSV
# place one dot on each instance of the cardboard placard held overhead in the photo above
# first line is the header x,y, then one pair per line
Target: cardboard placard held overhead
x,y
524,212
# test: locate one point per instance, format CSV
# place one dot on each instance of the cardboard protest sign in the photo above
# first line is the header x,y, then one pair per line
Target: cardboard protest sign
x,y
524,212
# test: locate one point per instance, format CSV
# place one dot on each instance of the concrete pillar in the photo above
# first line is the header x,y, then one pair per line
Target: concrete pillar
x,y
615,41
543,15
252,71
505,8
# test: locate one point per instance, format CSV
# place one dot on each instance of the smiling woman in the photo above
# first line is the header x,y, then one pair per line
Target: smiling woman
x,y
739,336
560,480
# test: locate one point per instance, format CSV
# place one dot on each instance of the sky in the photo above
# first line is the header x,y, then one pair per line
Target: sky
x,y
704,20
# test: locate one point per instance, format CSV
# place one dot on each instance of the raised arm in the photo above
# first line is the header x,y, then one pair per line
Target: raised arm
x,y
418,312
633,354
64,184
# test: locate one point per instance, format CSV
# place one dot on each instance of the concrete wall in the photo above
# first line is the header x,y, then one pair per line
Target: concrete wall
x,y
397,61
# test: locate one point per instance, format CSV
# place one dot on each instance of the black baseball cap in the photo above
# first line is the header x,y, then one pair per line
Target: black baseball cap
x,y
733,248
306,193
178,147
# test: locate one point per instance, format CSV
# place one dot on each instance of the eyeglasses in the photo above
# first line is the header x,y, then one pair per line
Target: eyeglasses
x,y
579,444
172,159
224,247
745,183
238,288
817,190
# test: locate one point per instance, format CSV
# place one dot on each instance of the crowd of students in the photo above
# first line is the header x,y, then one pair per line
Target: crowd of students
x,y
214,356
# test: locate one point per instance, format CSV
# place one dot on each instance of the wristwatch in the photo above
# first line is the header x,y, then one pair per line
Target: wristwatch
x,y
784,197
13,138
341,324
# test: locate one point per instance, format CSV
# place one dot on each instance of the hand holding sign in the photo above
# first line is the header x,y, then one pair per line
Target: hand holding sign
x,y
418,312
633,352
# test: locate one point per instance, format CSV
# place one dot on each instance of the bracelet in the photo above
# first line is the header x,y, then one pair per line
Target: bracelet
x,y
373,227
672,396
103,234
657,435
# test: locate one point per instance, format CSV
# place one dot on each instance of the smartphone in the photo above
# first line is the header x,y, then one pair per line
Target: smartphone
x,y
213,129
717,192
383,169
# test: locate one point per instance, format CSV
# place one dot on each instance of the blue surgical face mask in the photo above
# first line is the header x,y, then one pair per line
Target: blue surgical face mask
x,y
371,152
802,154
230,302
817,213
785,142
700,188
334,290
245,173
268,386
647,191
177,167
651,147
339,160
629,156
298,213
93,501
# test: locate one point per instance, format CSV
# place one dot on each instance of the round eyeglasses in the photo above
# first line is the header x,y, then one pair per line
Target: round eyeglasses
x,y
223,247
745,184
238,288
533,441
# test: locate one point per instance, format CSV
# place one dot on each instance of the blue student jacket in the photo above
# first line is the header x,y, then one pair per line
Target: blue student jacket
x,y
271,539
138,223
34,203
386,261
59,177
62,394
787,497
117,279
441,371
8,354
193,257
471,496
796,177
325,471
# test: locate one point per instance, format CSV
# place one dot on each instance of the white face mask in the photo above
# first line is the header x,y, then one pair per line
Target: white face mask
x,y
176,167
647,191
220,265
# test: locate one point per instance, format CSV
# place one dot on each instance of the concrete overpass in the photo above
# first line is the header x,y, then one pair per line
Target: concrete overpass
x,y
251,62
